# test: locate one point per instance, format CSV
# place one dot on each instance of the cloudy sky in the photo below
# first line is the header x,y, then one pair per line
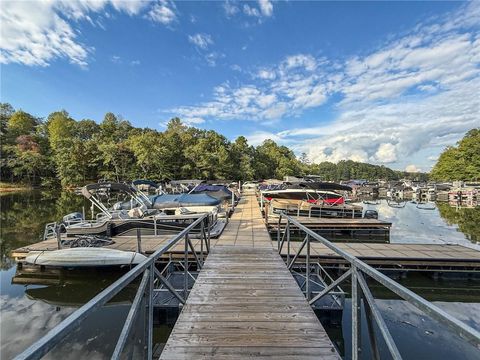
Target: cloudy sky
x,y
381,82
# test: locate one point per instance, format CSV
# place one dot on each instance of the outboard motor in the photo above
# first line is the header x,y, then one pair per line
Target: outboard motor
x,y
73,218
370,214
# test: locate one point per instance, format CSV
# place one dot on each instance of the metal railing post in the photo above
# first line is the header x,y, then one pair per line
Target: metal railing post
x,y
185,271
371,331
202,239
307,270
150,313
278,232
288,242
139,241
355,315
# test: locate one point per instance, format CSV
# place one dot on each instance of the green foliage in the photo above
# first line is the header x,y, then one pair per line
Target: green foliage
x,y
75,152
20,123
461,162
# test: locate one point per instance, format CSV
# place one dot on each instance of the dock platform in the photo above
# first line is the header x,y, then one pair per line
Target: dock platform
x,y
245,302
246,227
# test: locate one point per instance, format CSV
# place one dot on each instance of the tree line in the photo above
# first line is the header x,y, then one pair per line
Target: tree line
x,y
60,149
461,162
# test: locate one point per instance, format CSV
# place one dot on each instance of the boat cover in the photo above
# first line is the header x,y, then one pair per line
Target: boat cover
x,y
182,200
220,192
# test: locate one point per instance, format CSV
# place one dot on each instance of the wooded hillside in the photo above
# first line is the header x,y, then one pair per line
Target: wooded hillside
x,y
461,162
59,149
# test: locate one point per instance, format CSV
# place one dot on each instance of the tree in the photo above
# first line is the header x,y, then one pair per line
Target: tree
x,y
150,154
6,111
21,123
461,162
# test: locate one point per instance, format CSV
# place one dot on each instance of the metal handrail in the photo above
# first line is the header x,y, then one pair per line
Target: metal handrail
x,y
147,267
359,286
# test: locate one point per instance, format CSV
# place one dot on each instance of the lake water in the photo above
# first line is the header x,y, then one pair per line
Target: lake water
x,y
30,305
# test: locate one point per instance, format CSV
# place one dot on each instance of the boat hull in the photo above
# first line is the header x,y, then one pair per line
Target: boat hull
x,y
85,257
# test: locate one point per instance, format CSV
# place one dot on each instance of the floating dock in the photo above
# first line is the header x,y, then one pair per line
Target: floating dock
x,y
339,229
429,257
245,302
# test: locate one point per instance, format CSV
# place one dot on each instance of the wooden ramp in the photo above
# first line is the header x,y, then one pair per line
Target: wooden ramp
x,y
245,303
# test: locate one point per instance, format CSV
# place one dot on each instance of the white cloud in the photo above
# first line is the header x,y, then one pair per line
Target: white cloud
x,y
250,10
212,58
193,121
116,59
202,41
266,7
286,89
306,61
35,33
230,8
266,74
386,153
259,137
409,98
163,12
412,168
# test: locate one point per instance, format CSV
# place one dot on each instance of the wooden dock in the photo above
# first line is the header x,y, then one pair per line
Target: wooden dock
x,y
245,303
339,229
247,228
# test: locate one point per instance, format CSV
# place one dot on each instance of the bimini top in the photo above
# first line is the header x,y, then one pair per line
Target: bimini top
x,y
220,192
145,182
90,189
318,186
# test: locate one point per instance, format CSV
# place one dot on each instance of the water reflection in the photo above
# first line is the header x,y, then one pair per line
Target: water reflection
x,y
33,303
443,224
467,219
24,215
416,335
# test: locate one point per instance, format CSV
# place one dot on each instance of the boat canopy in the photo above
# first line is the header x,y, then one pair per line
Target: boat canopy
x,y
145,182
89,189
318,186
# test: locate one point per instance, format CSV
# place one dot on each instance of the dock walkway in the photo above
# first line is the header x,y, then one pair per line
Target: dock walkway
x,y
245,303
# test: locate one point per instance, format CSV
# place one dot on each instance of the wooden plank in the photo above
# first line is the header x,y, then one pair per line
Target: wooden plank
x,y
245,303
261,353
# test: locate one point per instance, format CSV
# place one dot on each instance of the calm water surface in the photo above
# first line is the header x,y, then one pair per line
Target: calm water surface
x,y
31,304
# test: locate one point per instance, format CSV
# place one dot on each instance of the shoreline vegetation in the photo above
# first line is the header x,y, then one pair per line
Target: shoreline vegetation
x,y
61,151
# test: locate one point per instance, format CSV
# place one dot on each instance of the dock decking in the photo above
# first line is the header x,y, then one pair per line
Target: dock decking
x,y
245,302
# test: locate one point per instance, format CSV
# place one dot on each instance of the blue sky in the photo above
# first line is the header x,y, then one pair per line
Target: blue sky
x,y
383,82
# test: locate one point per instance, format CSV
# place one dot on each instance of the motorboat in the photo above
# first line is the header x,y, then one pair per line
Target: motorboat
x,y
311,192
153,215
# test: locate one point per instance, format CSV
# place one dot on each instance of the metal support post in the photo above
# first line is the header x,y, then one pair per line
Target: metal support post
x,y
185,271
356,316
